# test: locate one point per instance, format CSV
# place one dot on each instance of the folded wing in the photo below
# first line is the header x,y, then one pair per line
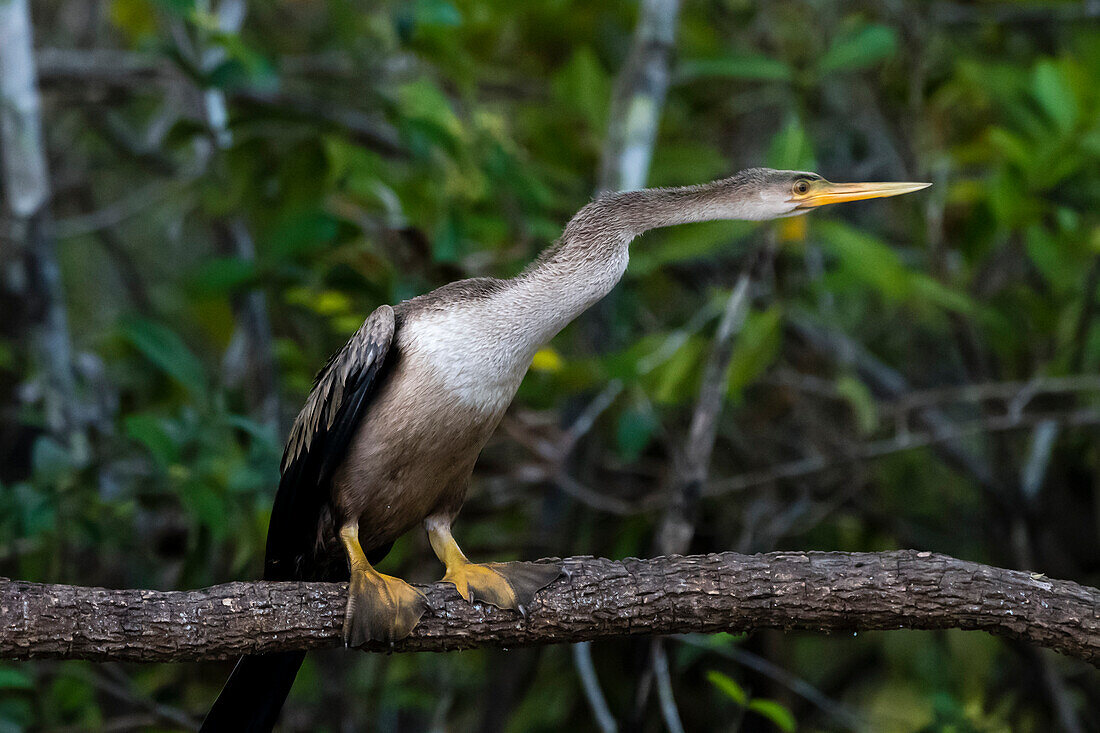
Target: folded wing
x,y
317,445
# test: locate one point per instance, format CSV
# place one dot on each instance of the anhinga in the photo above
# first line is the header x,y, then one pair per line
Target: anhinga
x,y
396,419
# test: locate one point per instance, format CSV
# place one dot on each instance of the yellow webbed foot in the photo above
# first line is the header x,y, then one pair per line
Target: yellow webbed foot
x,y
380,608
509,585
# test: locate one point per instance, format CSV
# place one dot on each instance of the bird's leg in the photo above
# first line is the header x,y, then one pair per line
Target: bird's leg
x,y
380,607
504,584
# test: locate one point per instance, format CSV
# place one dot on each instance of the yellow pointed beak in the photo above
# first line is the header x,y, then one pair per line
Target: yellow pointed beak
x,y
836,193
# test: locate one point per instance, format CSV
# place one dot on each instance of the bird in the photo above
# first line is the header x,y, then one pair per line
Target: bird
x,y
390,432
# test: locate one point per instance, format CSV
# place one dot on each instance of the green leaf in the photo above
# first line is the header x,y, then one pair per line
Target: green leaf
x,y
255,430
448,240
244,479
134,17
728,686
676,163
584,85
1011,146
301,233
36,510
149,431
754,68
1053,258
674,381
791,148
423,101
162,346
860,49
207,506
15,679
635,430
776,713
329,303
354,167
223,276
941,295
755,349
73,695
866,258
1053,93
861,400
437,13
177,7
548,710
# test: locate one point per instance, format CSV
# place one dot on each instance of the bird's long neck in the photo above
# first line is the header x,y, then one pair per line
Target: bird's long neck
x,y
592,254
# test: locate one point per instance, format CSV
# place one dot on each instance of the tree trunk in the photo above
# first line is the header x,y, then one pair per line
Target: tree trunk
x,y
35,304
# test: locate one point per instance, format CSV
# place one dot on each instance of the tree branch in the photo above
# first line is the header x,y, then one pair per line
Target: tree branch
x,y
598,598
638,98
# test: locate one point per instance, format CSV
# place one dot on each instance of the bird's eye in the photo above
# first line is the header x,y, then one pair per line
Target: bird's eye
x,y
802,188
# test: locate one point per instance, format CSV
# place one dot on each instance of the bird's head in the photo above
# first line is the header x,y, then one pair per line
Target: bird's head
x,y
764,193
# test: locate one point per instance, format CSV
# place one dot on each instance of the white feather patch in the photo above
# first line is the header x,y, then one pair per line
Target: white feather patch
x,y
475,357
479,349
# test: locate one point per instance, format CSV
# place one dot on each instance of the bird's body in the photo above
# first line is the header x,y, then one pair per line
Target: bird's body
x,y
443,397
390,433
454,363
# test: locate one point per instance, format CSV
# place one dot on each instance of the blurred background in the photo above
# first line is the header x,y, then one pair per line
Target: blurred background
x,y
221,191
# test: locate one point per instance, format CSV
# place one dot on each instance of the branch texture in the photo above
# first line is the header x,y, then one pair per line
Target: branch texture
x,y
598,598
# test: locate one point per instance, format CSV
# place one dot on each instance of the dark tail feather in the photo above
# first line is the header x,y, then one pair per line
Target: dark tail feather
x,y
254,694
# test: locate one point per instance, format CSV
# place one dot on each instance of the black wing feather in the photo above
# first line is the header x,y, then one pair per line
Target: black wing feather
x,y
317,445
254,695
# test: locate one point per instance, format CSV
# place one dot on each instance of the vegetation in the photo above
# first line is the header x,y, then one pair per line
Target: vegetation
x,y
914,372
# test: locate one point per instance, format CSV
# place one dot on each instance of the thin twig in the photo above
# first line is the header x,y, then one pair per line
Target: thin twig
x,y
594,499
582,661
115,682
909,441
125,208
677,526
1084,320
588,416
669,712
884,380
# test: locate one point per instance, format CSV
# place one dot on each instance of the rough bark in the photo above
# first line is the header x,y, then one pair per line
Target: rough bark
x,y
596,599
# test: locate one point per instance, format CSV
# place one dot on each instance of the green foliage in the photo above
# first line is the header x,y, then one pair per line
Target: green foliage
x,y
12,678
166,350
776,713
753,67
728,686
376,151
791,148
636,429
756,348
859,47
